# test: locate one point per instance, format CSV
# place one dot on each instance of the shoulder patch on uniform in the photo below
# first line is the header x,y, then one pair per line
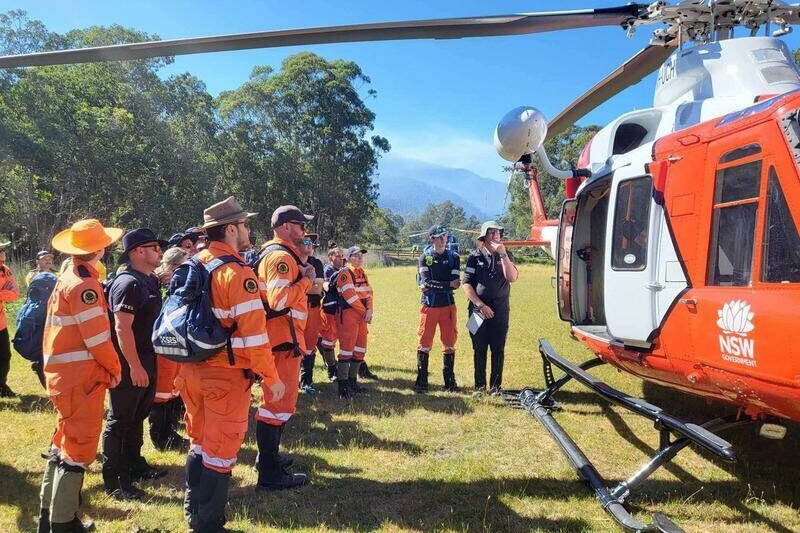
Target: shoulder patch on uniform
x,y
250,285
89,296
429,260
283,268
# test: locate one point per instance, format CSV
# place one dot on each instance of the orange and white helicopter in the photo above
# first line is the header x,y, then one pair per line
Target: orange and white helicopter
x,y
677,249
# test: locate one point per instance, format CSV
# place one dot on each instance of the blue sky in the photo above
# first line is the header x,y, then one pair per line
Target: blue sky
x,y
437,101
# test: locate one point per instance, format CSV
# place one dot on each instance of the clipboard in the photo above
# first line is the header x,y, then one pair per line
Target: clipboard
x,y
475,321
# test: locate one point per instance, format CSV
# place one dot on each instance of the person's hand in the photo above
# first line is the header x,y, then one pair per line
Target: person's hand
x,y
500,248
113,380
278,389
368,316
309,273
487,312
139,377
456,283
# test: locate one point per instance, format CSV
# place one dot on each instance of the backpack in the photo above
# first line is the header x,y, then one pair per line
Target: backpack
x,y
331,299
31,317
186,330
428,251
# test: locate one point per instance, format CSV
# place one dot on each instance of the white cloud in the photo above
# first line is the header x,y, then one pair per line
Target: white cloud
x,y
446,146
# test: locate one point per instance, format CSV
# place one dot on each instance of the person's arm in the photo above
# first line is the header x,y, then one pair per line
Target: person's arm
x,y
86,303
345,284
276,275
470,281
510,271
9,292
424,273
455,280
125,298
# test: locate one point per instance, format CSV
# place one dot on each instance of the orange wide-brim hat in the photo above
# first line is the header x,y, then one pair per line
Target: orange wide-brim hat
x,y
85,237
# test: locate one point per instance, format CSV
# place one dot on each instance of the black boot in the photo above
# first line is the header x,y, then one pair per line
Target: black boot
x,y
363,372
329,357
421,384
44,521
342,372
448,373
211,498
352,378
194,472
75,526
271,474
159,425
307,374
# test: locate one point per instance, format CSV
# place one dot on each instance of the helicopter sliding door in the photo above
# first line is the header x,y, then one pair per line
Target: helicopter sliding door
x,y
564,260
629,303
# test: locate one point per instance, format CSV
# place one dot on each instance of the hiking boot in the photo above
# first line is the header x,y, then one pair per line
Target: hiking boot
x,y
127,493
479,392
421,384
448,373
331,373
284,459
6,392
344,390
495,391
282,481
364,372
355,388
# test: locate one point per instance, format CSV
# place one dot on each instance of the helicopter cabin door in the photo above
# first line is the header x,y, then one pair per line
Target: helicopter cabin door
x,y
744,317
629,301
564,260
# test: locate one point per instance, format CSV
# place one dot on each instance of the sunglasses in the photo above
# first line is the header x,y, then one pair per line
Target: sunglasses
x,y
156,247
307,242
296,223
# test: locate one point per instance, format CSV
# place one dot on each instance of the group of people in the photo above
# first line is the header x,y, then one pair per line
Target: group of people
x,y
280,305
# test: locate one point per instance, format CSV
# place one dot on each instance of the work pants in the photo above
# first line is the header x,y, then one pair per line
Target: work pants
x,y
313,328
166,372
491,335
123,437
5,355
353,333
445,318
217,401
278,413
79,412
330,330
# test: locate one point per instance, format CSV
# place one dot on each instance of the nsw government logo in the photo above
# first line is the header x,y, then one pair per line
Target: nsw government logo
x,y
735,321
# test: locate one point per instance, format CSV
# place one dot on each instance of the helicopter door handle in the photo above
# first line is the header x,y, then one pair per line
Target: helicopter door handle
x,y
688,301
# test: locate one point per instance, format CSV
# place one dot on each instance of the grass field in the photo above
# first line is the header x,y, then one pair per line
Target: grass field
x,y
398,461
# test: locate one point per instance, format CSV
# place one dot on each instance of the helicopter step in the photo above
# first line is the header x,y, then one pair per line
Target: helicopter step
x,y
675,435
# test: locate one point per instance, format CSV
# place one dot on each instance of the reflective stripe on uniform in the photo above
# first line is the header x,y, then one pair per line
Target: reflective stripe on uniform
x,y
67,357
346,286
266,413
345,352
352,299
281,304
249,342
425,349
239,309
455,272
163,350
359,349
164,395
219,462
97,339
327,343
71,320
278,283
299,315
363,289
469,270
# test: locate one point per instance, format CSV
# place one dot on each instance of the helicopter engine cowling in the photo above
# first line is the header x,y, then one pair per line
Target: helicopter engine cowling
x,y
520,132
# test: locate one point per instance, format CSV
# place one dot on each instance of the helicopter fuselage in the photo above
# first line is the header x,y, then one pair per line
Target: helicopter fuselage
x,y
679,259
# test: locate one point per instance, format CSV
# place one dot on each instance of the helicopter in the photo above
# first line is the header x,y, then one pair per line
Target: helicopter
x,y
677,251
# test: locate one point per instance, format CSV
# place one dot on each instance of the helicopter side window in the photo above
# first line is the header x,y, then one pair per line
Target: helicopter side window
x,y
781,255
734,224
631,224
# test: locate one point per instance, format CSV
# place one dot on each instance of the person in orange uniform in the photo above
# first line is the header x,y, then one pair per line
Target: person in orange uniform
x,y
80,363
167,405
284,281
355,301
216,392
330,311
8,293
314,322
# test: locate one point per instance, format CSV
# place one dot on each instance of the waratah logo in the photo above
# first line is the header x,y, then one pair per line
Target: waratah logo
x,y
735,321
735,317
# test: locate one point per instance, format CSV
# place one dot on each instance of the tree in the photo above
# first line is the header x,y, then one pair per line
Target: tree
x,y
382,229
300,136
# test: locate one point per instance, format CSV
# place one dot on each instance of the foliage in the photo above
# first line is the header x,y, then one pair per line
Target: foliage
x,y
117,142
383,230
446,214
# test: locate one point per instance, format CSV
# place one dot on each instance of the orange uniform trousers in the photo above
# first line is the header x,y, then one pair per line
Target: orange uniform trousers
x,y
80,418
330,329
313,328
445,318
166,372
353,333
217,404
278,413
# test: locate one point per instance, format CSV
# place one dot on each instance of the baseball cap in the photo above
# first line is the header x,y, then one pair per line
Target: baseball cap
x,y
43,253
288,213
437,231
353,250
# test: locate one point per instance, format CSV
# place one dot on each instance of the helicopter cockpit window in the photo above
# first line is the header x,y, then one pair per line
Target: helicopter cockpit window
x,y
734,224
631,224
739,153
781,258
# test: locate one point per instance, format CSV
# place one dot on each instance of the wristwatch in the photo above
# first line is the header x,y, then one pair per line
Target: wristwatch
x,y
502,256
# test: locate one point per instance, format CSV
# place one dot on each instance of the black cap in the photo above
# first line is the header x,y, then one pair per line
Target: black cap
x,y
138,237
176,239
289,213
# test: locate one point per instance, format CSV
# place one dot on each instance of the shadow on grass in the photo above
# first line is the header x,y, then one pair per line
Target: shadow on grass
x,y
21,491
27,403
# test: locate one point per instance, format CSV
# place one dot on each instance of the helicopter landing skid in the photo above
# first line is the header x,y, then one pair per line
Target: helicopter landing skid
x,y
542,405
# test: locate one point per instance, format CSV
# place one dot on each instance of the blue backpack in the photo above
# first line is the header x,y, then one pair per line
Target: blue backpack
x,y
186,330
30,319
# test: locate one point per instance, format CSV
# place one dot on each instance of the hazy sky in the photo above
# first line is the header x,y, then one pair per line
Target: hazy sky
x,y
437,101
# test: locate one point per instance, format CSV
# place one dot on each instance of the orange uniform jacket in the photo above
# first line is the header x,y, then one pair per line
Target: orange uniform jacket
x,y
235,299
354,287
277,274
8,293
77,331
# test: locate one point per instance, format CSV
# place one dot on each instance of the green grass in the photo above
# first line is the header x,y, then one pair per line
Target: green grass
x,y
397,461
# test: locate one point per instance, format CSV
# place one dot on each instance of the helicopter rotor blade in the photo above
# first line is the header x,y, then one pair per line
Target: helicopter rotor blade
x,y
631,72
453,28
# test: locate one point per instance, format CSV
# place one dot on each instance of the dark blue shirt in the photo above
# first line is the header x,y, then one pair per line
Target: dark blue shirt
x,y
436,271
484,273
